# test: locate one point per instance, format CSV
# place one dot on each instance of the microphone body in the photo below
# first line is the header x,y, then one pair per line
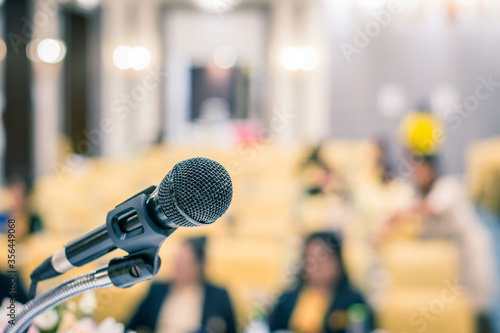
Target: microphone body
x,y
84,249
195,192
130,226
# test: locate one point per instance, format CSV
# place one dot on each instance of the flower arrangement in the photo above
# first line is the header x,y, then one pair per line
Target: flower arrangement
x,y
67,317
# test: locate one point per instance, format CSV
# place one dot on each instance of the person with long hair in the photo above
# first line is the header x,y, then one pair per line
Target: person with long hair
x,y
447,213
323,299
189,303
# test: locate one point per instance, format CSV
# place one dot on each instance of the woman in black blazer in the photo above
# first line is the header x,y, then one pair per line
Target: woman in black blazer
x,y
323,301
8,282
189,303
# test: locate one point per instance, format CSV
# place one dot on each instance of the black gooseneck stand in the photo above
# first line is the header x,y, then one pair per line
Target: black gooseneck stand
x,y
123,224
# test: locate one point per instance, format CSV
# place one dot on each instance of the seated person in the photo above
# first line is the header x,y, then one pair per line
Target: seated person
x,y
189,303
20,294
19,207
447,213
323,300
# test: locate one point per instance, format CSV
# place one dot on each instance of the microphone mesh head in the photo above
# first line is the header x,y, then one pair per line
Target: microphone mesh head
x,y
200,187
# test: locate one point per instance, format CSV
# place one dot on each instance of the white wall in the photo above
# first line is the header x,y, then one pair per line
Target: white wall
x,y
47,92
191,37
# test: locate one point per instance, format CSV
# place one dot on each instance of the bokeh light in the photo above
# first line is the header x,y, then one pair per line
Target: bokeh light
x,y
443,100
139,58
467,3
292,58
3,49
372,4
391,101
51,50
87,4
120,57
217,6
224,57
422,133
125,57
310,59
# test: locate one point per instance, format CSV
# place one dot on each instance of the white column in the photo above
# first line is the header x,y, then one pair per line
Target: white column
x,y
148,83
283,83
315,85
130,99
116,104
176,121
3,139
304,94
47,91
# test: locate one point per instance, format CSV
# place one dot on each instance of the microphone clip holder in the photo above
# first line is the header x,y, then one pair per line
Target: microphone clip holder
x,y
120,272
125,223
126,271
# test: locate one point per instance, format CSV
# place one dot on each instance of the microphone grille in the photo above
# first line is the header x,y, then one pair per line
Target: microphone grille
x,y
200,187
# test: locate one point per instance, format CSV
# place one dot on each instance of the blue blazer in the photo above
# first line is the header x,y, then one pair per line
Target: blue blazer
x,y
335,319
216,305
5,285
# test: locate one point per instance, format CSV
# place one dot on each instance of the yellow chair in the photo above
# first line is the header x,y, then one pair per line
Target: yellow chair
x,y
420,264
423,294
435,310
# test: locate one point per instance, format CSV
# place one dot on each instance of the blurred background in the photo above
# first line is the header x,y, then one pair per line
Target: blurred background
x,y
331,115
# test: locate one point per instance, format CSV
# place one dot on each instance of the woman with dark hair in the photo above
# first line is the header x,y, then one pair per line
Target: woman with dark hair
x,y
326,179
20,207
7,283
447,213
189,303
323,300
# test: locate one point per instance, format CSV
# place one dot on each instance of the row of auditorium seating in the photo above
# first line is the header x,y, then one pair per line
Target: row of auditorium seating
x,y
483,170
254,247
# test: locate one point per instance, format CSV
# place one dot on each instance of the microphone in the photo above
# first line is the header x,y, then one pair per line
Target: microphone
x,y
195,192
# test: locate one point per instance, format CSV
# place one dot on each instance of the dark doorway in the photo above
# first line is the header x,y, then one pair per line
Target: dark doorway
x,y
81,70
18,115
229,88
